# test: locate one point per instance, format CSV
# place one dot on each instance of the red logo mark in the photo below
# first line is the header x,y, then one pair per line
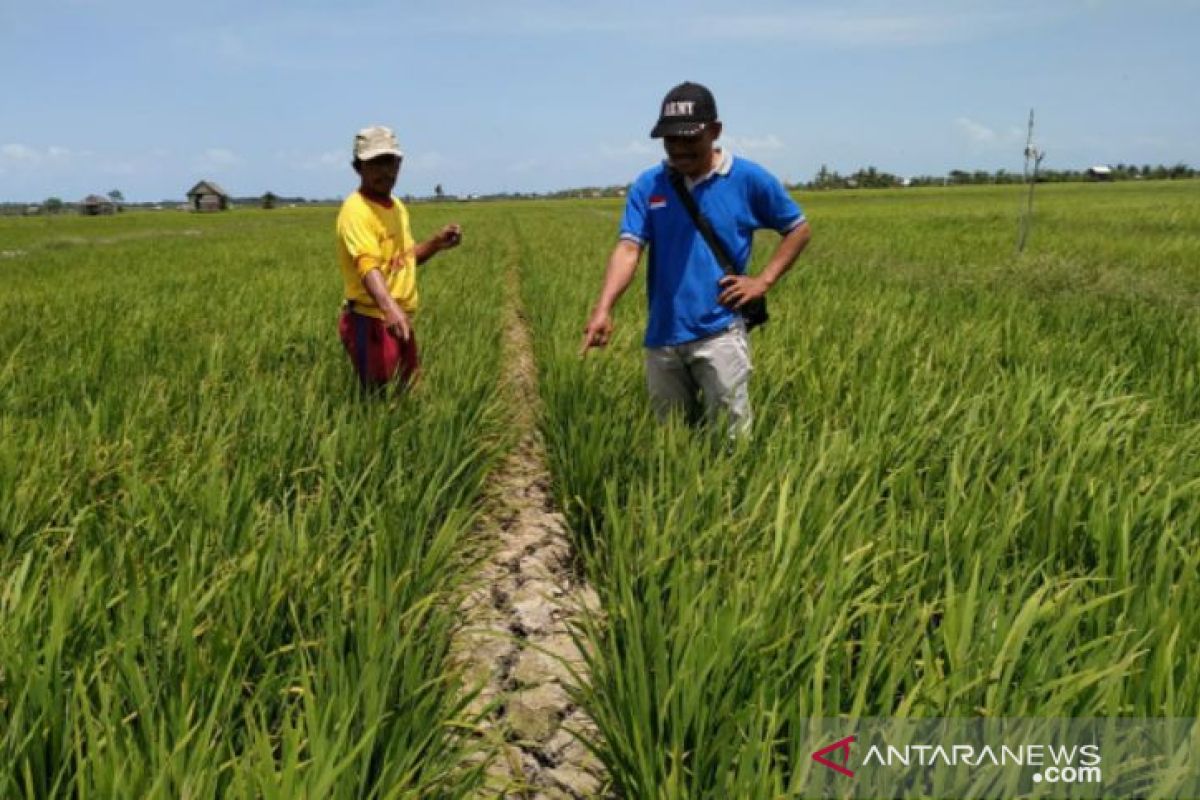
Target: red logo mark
x,y
840,744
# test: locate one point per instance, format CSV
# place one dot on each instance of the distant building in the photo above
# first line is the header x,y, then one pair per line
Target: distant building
x,y
1100,172
32,211
94,205
207,196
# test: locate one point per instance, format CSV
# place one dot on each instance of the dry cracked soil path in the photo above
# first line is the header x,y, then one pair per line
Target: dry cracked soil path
x,y
515,641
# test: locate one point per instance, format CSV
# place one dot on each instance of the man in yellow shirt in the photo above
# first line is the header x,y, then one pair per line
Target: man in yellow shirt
x,y
379,262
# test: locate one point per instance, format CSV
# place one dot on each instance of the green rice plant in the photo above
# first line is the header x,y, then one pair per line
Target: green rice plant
x,y
972,490
222,572
971,493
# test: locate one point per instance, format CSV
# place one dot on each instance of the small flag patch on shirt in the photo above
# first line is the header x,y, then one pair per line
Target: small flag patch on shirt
x,y
658,201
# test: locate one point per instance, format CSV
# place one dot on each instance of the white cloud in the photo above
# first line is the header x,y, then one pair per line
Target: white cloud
x,y
1157,142
430,161
981,136
216,159
19,154
636,148
975,131
24,155
339,161
754,144
528,165
21,159
328,159
253,46
854,23
148,162
221,156
119,168
864,24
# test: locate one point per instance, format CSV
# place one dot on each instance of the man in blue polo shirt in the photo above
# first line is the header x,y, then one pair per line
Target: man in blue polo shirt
x,y
697,350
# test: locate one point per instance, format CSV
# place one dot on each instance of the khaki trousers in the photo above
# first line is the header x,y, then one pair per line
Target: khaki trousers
x,y
706,379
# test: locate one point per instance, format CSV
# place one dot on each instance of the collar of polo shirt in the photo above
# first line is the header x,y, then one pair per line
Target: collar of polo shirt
x,y
724,164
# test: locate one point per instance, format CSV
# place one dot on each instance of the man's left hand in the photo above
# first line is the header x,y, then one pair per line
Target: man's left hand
x,y
737,290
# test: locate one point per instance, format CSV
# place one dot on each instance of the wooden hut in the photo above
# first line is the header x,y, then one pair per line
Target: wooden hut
x,y
207,196
94,205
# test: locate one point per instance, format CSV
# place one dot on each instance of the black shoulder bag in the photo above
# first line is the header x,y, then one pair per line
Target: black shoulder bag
x,y
754,312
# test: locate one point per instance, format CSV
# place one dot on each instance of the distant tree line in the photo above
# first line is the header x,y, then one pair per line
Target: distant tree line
x,y
872,178
864,178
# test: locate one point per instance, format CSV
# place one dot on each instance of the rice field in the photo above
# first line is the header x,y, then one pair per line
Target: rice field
x,y
972,492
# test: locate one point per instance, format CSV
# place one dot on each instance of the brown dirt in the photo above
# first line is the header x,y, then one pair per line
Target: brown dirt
x,y
515,641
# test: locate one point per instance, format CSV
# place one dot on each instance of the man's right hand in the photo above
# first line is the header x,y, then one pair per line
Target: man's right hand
x,y
598,331
396,323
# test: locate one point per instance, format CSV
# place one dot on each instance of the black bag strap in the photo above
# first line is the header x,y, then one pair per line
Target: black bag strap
x,y
702,224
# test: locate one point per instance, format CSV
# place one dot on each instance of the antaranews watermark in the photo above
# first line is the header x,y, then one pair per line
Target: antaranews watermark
x,y
1003,758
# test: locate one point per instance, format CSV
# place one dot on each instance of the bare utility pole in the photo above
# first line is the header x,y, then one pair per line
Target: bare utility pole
x,y
1032,156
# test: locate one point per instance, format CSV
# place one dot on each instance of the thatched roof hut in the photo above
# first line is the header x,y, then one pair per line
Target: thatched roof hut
x,y
95,204
207,196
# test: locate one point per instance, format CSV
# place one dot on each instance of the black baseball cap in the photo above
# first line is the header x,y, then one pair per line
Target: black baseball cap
x,y
685,111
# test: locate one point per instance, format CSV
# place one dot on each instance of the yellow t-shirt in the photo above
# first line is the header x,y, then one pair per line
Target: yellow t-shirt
x,y
370,236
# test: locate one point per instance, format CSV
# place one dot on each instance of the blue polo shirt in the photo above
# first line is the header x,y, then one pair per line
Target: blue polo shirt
x,y
738,198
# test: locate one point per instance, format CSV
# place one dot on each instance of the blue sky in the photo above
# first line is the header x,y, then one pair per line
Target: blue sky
x,y
535,95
